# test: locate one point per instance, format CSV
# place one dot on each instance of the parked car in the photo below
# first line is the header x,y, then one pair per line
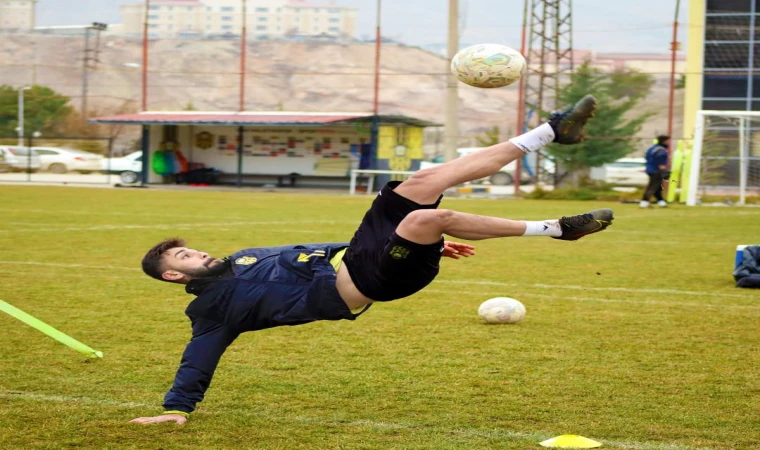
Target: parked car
x,y
503,177
20,159
624,171
127,167
62,160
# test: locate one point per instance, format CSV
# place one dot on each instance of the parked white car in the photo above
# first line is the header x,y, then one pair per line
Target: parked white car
x,y
505,176
624,171
62,160
19,159
128,167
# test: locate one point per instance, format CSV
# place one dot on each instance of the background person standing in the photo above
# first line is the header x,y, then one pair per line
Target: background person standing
x,y
657,169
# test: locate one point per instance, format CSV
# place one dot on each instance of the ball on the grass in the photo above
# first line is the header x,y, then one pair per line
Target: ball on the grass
x,y
501,310
488,65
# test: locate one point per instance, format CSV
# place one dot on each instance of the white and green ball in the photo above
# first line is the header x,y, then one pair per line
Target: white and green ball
x,y
501,310
488,65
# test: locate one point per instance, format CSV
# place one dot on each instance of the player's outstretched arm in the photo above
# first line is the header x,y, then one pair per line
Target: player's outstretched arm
x,y
199,361
456,250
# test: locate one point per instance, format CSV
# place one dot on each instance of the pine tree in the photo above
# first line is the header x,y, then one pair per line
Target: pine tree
x,y
610,132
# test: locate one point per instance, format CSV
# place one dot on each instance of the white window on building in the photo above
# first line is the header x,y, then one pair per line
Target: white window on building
x,y
208,17
228,9
209,9
189,8
316,10
334,29
153,25
208,27
262,19
153,16
170,8
226,27
263,10
333,10
261,28
154,7
333,20
226,18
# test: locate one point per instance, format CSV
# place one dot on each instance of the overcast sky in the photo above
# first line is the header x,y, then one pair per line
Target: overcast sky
x,y
600,25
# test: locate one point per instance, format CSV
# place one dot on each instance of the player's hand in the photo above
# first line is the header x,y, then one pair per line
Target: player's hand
x,y
162,418
456,250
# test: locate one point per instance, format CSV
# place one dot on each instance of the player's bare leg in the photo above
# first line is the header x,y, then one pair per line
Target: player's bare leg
x,y
427,225
426,186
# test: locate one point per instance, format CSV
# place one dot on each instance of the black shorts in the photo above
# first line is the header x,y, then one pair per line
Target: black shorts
x,y
383,265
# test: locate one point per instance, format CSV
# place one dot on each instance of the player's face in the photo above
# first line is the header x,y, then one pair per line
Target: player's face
x,y
186,262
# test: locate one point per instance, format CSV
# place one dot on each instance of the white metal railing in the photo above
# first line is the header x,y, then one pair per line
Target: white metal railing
x,y
371,178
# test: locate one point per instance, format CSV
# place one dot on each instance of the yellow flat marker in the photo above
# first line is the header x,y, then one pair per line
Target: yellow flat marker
x,y
570,441
39,325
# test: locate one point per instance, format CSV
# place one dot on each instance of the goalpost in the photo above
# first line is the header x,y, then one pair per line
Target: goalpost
x,y
725,160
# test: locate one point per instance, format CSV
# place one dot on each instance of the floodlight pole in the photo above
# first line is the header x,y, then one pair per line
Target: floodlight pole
x,y
451,124
521,95
673,49
85,60
243,36
375,137
145,58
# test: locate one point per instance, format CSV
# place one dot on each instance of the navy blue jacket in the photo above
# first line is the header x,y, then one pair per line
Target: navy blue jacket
x,y
263,288
656,156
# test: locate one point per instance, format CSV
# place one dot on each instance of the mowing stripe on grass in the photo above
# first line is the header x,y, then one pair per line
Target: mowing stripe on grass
x,y
188,226
605,300
586,288
537,437
463,282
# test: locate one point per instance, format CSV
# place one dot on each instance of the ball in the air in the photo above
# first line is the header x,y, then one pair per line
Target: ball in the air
x,y
488,65
501,310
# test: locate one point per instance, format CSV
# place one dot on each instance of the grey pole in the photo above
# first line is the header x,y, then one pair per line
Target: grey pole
x,y
83,110
451,123
21,116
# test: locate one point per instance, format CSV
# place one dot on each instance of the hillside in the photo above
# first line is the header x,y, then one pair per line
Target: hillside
x,y
305,76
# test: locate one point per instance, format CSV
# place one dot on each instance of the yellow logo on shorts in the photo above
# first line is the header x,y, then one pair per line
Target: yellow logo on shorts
x,y
399,252
246,260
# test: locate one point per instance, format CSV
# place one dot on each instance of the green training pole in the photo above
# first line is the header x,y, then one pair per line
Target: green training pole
x,y
47,329
675,181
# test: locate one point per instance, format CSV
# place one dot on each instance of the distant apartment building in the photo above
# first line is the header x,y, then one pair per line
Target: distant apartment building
x,y
17,14
264,18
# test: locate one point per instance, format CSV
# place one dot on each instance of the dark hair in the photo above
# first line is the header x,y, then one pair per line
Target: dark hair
x,y
151,263
662,138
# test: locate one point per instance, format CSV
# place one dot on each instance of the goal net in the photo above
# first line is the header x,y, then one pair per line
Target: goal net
x,y
725,159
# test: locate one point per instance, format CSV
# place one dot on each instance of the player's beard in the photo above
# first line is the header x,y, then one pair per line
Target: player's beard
x,y
210,270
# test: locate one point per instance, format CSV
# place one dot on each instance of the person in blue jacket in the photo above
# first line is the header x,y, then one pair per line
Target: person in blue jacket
x,y
657,170
394,253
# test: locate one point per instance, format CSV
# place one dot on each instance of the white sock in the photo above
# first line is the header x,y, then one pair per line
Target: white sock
x,y
543,228
534,139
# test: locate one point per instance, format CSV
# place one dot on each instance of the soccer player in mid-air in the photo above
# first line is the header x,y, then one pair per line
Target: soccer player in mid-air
x,y
394,253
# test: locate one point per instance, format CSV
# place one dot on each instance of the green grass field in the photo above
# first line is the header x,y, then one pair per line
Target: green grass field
x,y
634,337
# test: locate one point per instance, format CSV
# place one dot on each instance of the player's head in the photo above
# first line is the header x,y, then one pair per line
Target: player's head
x,y
663,140
170,260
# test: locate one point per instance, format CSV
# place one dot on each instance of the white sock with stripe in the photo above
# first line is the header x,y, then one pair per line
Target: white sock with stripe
x,y
543,228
